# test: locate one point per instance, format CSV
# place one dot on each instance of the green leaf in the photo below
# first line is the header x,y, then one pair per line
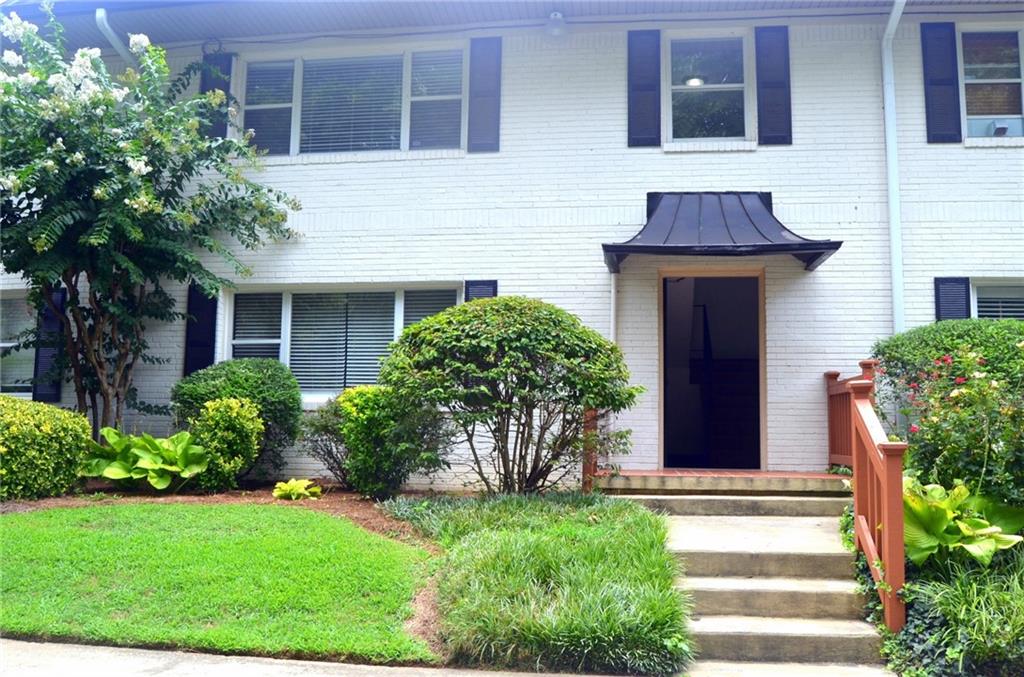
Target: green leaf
x,y
980,549
1007,517
117,470
159,480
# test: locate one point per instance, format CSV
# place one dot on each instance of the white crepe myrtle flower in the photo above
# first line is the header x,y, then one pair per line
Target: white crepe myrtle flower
x,y
138,166
58,144
27,79
77,159
49,165
12,59
9,183
138,42
119,93
15,28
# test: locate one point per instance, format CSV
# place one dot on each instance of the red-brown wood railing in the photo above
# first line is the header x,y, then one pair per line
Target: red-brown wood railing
x,y
856,438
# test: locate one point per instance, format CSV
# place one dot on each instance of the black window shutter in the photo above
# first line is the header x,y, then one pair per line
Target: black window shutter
x,y
217,75
484,95
200,330
774,107
941,82
480,289
45,379
643,88
952,298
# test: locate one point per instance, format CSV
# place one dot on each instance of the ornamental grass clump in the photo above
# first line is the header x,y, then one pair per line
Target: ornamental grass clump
x,y
556,582
516,376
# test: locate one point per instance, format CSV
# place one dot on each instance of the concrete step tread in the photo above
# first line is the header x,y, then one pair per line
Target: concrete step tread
x,y
777,626
766,584
802,535
739,669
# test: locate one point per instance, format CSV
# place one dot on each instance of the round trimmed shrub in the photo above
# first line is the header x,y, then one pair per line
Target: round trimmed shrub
x,y
230,431
41,447
386,438
267,383
517,377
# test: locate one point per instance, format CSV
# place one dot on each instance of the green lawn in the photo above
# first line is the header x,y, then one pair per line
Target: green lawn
x,y
562,582
259,579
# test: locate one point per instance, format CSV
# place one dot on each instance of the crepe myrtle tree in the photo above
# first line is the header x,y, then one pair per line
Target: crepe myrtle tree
x,y
111,189
517,377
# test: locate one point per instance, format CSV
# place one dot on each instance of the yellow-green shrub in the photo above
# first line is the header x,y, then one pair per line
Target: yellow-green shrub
x,y
40,448
230,430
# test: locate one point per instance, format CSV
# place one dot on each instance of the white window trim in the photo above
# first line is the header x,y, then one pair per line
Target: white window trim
x,y
406,51
748,142
311,399
985,141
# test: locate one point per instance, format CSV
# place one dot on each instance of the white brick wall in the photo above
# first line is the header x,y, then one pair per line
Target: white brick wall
x,y
534,215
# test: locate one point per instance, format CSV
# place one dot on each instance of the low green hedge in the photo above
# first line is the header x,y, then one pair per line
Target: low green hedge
x,y
270,385
41,447
556,582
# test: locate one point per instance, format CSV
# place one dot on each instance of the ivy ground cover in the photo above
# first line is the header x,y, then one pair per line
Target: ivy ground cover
x,y
248,579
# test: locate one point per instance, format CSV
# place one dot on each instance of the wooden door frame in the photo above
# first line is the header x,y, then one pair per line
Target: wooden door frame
x,y
757,271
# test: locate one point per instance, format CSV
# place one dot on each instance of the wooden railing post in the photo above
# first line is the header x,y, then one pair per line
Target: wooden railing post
x,y
893,557
589,452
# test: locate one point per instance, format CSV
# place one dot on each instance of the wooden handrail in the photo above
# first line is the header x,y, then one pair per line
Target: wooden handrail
x,y
856,438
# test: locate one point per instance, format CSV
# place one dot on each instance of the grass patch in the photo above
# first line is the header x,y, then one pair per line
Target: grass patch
x,y
251,579
566,582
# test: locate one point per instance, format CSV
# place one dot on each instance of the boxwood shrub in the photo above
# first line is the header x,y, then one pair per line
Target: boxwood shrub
x,y
41,447
270,385
230,431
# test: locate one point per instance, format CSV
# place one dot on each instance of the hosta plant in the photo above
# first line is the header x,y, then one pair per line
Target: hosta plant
x,y
158,460
937,520
295,490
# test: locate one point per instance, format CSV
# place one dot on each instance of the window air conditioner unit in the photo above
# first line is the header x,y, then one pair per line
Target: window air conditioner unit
x,y
998,128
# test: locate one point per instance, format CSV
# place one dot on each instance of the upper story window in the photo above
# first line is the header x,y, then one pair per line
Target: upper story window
x,y
710,89
16,367
411,100
992,83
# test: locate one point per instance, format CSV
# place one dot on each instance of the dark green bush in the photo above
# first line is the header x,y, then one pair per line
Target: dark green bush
x,y
516,376
321,439
386,438
41,447
230,431
906,355
556,582
269,384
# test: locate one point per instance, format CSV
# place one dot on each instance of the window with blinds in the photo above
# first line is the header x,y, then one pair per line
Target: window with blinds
x,y
421,303
257,326
16,366
1001,303
435,107
268,105
410,100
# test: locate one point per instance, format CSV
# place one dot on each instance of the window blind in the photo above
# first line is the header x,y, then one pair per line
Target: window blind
x,y
268,105
16,316
317,354
351,104
1001,303
371,326
421,303
436,100
257,326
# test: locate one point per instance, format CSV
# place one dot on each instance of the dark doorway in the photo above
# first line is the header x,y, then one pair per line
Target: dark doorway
x,y
711,361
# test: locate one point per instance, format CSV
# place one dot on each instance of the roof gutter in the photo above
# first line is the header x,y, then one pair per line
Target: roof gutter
x,y
892,168
104,25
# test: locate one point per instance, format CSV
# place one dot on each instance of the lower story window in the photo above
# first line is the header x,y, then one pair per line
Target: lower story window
x,y
330,340
1004,302
16,316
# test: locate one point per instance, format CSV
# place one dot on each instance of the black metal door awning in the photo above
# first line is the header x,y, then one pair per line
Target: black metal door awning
x,y
716,224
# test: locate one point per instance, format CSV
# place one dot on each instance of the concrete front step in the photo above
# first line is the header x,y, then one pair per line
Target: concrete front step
x,y
739,669
775,639
751,484
797,547
788,597
725,505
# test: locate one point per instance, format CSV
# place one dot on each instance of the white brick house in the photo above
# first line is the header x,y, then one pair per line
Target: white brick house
x,y
500,142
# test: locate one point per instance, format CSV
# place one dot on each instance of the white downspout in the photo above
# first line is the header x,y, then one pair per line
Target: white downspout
x,y
892,167
104,25
613,315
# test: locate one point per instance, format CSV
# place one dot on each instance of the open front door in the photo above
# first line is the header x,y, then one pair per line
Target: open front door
x,y
711,414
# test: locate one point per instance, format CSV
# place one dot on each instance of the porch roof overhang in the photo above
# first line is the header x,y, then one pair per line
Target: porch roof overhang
x,y
716,224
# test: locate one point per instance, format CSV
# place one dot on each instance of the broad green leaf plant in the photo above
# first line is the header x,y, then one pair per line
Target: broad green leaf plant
x,y
296,490
937,520
112,189
158,460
